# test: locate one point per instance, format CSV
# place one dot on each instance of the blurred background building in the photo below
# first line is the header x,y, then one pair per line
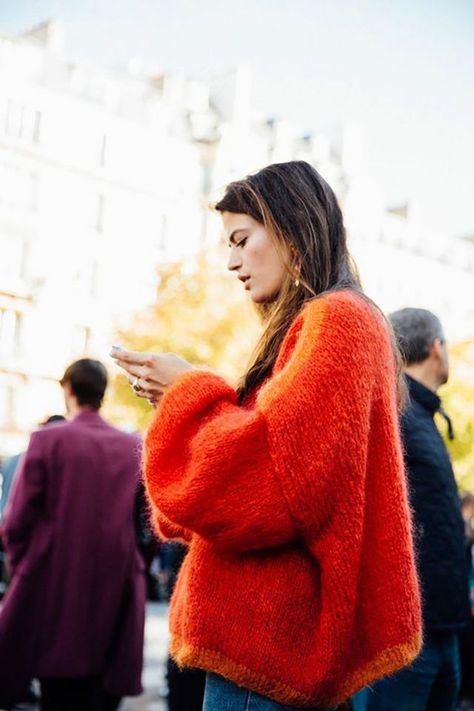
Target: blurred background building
x,y
100,179
106,174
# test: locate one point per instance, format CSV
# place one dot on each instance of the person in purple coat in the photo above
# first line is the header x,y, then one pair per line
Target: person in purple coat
x,y
74,613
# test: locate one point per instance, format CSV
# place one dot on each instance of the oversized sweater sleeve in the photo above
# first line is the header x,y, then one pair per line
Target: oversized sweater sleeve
x,y
167,530
208,470
249,478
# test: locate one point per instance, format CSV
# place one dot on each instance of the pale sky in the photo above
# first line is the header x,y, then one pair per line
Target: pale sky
x,y
402,69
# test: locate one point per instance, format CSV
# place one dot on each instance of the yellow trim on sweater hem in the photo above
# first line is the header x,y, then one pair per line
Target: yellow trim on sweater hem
x,y
186,655
386,663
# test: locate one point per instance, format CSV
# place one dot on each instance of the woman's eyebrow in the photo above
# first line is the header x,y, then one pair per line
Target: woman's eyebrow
x,y
235,232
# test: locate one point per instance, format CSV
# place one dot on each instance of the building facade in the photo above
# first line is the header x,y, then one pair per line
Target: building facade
x,y
104,175
100,179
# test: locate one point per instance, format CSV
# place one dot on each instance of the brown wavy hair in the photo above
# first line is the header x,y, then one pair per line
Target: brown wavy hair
x,y
301,214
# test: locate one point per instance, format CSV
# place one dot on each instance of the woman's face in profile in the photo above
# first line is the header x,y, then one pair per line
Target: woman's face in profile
x,y
254,257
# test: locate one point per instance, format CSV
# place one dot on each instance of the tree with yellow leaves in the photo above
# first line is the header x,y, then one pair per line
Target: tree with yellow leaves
x,y
201,313
458,401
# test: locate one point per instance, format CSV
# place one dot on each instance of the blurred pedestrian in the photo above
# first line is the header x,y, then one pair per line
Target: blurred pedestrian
x,y
467,508
185,685
148,543
11,464
432,683
467,635
9,473
9,469
274,600
73,615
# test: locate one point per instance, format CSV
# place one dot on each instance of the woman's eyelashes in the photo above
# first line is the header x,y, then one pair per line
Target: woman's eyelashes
x,y
238,243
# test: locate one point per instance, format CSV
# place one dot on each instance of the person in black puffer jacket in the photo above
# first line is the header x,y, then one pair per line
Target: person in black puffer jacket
x,y
432,682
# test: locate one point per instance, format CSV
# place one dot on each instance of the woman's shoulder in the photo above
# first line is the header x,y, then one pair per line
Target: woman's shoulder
x,y
332,324
335,320
344,309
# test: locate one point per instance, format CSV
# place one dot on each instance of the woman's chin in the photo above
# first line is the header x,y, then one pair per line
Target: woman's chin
x,y
259,298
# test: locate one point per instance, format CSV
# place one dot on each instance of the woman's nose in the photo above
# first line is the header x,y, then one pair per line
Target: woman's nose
x,y
234,261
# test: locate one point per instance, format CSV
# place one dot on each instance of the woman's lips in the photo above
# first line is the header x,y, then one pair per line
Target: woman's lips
x,y
245,281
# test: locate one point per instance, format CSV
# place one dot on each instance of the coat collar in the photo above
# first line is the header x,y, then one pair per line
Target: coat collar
x,y
423,395
91,417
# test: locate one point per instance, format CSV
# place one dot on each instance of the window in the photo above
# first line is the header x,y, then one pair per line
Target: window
x,y
10,333
13,256
25,260
103,151
81,340
85,278
19,187
36,126
94,279
7,406
21,121
99,218
163,233
13,119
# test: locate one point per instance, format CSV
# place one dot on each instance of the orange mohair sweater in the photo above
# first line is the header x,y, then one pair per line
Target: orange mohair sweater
x,y
300,581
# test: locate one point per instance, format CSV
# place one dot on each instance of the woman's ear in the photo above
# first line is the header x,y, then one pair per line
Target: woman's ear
x,y
296,269
295,259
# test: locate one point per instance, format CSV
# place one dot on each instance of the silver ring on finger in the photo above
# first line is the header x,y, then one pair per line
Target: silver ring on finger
x,y
135,384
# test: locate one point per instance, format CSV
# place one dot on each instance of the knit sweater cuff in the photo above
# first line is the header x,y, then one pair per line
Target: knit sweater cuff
x,y
191,392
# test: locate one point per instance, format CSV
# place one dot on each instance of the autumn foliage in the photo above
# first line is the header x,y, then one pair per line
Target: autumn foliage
x,y
202,314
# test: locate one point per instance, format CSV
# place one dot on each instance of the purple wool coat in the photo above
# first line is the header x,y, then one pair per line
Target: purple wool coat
x,y
75,605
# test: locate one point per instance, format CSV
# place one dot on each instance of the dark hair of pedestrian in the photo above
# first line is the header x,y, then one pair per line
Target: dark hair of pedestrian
x,y
52,419
416,330
88,381
299,211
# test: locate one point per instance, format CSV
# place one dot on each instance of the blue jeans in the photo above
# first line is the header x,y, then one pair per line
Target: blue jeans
x,y
431,683
223,695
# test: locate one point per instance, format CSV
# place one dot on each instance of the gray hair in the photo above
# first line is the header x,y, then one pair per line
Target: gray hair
x,y
415,331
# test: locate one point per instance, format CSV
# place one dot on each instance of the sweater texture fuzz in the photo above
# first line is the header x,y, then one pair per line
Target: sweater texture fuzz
x,y
300,581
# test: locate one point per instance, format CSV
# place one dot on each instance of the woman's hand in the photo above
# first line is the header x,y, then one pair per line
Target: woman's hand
x,y
150,374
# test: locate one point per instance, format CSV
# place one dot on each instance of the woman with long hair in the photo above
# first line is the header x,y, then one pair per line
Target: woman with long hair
x,y
299,586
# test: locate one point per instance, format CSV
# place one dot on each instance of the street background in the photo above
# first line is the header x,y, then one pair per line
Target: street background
x,y
156,649
154,670
121,121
